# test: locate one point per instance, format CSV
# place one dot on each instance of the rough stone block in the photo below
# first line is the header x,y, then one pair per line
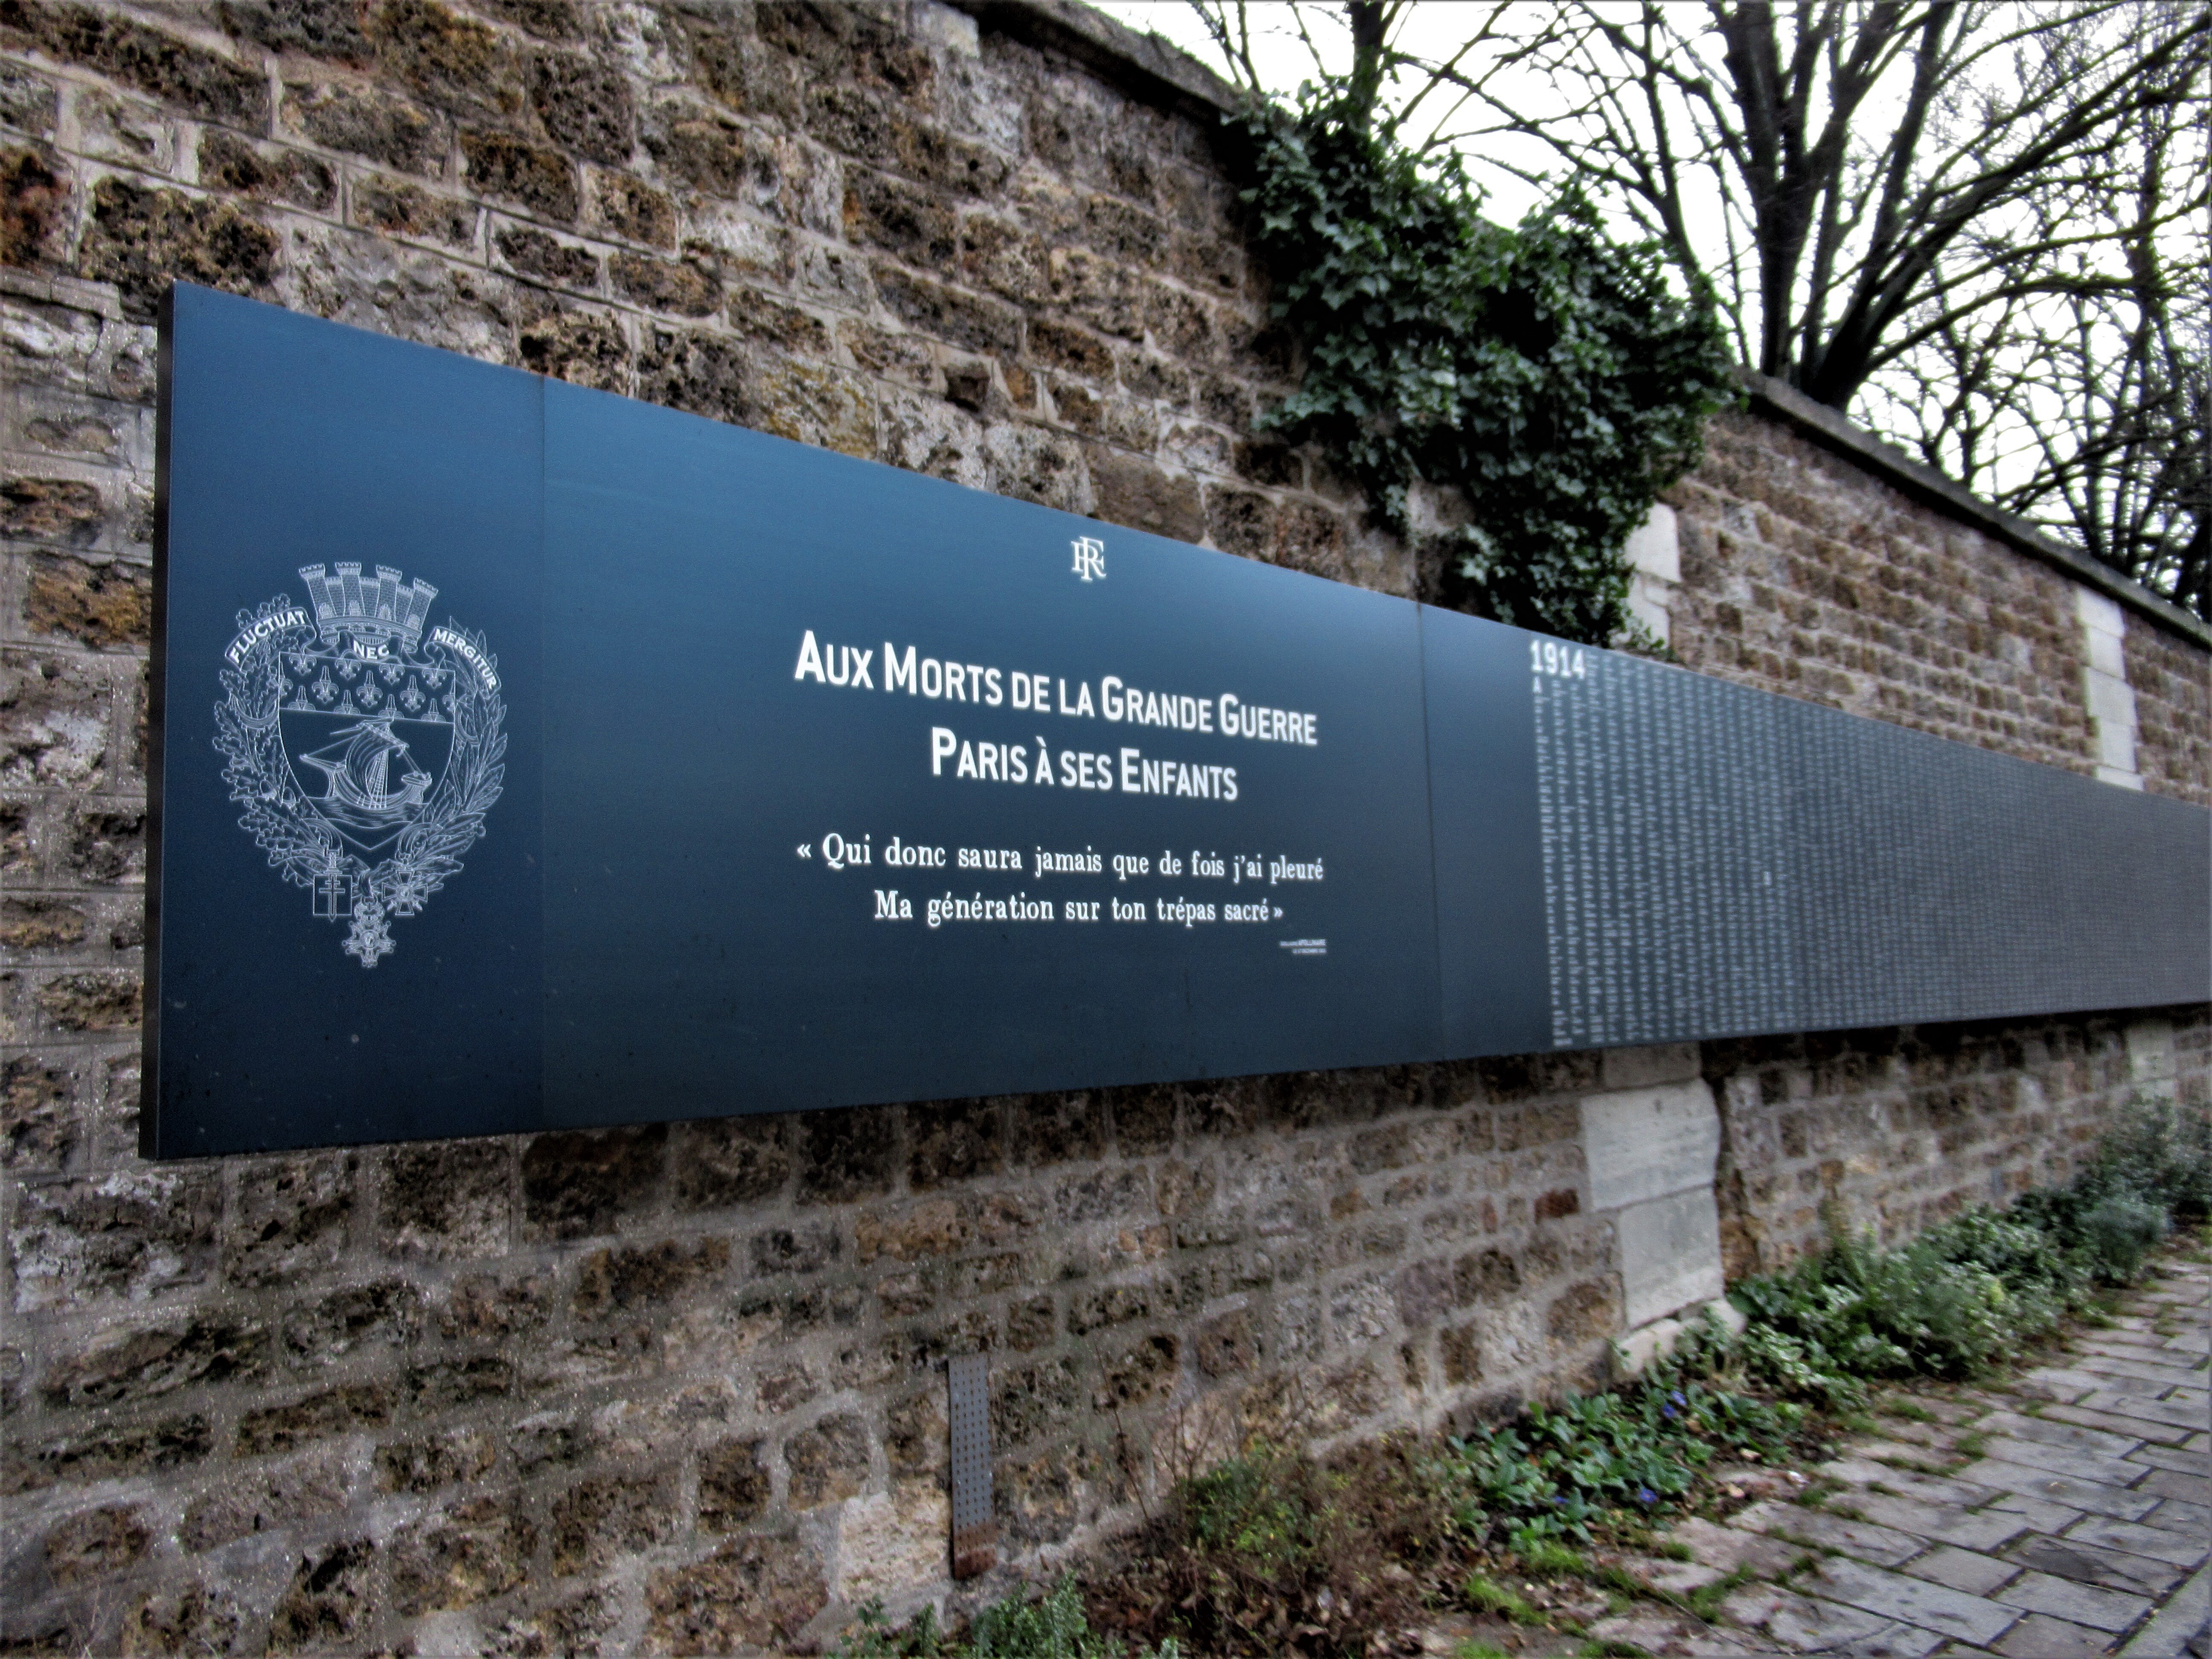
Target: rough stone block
x,y
125,1237
265,1501
608,1516
328,1603
734,1484
447,1199
141,240
289,1220
476,1550
577,1184
191,1619
128,1366
889,1542
755,1592
337,1411
441,1460
827,1461
368,120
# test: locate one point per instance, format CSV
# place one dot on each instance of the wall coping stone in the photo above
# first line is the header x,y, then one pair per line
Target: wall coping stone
x,y
1143,64
1150,68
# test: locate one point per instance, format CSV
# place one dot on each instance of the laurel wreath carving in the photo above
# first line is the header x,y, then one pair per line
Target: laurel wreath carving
x,y
300,845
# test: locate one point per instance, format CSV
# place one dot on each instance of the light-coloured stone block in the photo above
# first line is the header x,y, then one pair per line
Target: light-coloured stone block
x,y
1670,1254
2150,1051
2105,693
1642,1143
1640,1347
2107,653
2112,702
1655,548
1654,553
2098,614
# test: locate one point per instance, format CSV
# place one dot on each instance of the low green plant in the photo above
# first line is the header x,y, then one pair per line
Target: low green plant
x,y
1485,1594
872,1637
1562,1468
1548,1560
1976,1290
1546,372
1051,1626
1706,1600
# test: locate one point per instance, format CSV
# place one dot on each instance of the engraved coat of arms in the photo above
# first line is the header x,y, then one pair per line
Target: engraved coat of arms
x,y
365,751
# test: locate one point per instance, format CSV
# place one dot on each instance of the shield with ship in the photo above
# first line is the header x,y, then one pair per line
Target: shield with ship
x,y
368,719
365,751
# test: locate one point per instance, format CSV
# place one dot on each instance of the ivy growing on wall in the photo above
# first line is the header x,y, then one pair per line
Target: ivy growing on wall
x,y
1545,371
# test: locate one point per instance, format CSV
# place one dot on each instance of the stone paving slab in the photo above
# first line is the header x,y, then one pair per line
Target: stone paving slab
x,y
2065,1460
1728,1548
1912,1600
1928,1488
2069,1491
1970,1529
2150,1370
1932,1437
2037,1513
2040,1636
1964,1570
2076,1558
1948,1411
2181,1413
2173,1457
1805,1624
2171,1483
2077,1604
2182,1620
2175,1548
2177,1516
1861,1539
2163,1434
2073,1437
2064,1386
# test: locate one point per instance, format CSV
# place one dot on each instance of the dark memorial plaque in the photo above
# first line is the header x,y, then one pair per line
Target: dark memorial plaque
x,y
526,757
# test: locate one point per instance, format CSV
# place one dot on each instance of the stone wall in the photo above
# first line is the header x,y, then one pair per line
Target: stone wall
x,y
1890,1130
678,1389
2173,712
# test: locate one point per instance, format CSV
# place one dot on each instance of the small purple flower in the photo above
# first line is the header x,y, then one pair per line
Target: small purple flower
x,y
1645,1495
1668,1412
1677,1398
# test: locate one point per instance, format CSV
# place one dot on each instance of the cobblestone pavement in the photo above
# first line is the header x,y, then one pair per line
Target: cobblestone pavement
x,y
2067,1512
